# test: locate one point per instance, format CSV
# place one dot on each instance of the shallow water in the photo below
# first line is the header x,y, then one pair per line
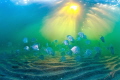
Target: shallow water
x,y
32,35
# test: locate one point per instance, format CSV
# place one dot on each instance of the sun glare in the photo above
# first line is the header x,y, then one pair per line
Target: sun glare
x,y
62,22
74,7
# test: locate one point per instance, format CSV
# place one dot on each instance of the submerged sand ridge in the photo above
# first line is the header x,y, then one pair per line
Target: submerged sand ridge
x,y
106,68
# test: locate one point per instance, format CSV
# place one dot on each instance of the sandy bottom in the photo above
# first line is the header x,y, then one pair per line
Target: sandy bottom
x,y
107,68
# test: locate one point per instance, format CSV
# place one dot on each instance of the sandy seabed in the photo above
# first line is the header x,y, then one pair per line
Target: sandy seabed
x,y
107,68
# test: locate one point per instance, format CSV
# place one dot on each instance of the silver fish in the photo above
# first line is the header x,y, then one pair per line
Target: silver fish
x,y
78,58
75,50
87,53
69,53
78,38
66,42
27,48
97,49
85,37
50,51
102,39
81,34
25,40
35,47
70,38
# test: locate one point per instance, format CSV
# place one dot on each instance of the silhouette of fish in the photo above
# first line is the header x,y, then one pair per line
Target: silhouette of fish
x,y
102,39
66,42
25,40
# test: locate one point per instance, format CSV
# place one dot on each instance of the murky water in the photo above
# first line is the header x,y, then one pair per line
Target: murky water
x,y
59,39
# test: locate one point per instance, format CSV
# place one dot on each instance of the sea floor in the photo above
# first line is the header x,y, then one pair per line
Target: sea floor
x,y
107,68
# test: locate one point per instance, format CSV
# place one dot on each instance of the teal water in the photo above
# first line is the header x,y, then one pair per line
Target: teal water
x,y
32,35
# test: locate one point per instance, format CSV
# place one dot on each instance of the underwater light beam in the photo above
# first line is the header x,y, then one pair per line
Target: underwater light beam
x,y
100,20
74,7
62,22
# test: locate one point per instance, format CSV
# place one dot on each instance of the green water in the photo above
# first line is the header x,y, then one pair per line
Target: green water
x,y
49,22
18,21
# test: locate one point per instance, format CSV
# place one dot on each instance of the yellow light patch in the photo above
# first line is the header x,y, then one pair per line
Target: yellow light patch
x,y
100,20
74,7
62,22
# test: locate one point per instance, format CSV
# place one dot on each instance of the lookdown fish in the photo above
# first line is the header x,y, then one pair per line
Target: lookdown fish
x,y
75,50
102,39
27,48
87,53
70,38
66,42
35,47
50,51
25,40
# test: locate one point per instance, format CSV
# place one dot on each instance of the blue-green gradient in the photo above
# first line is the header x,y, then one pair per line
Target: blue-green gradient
x,y
18,21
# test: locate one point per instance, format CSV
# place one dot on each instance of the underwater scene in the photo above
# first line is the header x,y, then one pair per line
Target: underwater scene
x,y
59,39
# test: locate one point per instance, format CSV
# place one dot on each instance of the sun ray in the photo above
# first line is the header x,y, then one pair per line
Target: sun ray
x,y
62,22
